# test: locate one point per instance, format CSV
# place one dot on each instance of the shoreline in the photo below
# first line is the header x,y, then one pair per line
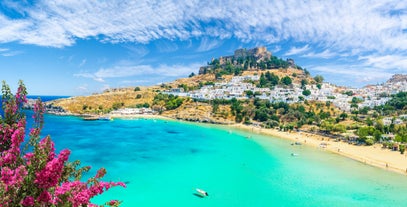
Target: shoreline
x,y
140,116
373,155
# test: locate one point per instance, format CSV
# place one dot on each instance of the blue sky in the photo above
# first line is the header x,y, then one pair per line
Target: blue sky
x,y
78,47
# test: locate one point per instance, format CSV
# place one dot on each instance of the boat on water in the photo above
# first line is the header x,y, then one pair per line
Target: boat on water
x,y
105,118
201,193
294,154
95,118
90,118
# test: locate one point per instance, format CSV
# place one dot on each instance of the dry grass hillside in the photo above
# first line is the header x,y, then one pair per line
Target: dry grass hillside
x,y
192,81
103,102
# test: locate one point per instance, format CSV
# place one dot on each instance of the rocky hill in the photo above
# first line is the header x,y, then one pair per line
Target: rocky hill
x,y
397,78
108,100
258,58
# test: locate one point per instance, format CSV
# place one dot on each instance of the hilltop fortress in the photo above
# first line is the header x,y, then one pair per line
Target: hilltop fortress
x,y
257,55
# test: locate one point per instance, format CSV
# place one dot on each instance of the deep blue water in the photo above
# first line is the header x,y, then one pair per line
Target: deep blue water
x,y
46,98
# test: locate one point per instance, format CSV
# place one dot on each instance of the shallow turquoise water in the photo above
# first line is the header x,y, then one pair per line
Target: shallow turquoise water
x,y
164,161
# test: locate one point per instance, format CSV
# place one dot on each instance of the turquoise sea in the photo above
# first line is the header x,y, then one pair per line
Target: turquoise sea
x,y
163,162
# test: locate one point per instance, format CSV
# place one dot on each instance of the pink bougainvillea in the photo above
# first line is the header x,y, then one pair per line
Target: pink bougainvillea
x,y
39,177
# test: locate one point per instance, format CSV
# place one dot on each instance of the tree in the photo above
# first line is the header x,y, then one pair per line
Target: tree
x,y
191,75
306,72
262,81
398,101
249,93
34,175
326,126
364,110
271,78
343,116
319,79
117,105
304,82
348,93
339,128
306,92
286,80
137,88
236,108
215,106
261,114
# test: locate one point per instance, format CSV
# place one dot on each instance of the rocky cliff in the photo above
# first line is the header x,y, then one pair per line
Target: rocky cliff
x,y
397,78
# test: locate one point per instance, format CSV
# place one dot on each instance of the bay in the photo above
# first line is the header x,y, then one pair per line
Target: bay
x,y
163,162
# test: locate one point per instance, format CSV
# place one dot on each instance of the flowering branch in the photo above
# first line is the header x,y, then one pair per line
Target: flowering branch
x,y
40,177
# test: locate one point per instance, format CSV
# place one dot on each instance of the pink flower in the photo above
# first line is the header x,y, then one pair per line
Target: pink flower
x,y
39,171
113,202
17,137
19,174
7,176
13,178
48,177
28,157
34,132
45,197
28,201
47,146
101,172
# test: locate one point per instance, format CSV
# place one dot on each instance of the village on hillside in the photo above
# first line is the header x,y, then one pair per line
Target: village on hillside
x,y
369,96
241,87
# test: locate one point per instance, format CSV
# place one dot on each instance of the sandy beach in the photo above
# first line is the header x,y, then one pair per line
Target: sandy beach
x,y
373,155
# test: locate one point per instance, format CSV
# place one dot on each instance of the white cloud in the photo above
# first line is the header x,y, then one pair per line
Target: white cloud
x,y
208,44
352,75
123,71
83,88
83,62
342,25
346,28
166,46
324,54
297,50
138,51
6,52
11,53
386,61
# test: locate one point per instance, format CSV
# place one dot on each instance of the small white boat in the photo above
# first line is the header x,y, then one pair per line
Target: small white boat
x,y
294,154
201,193
105,118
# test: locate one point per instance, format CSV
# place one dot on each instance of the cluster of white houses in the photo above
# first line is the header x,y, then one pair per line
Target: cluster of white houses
x,y
131,111
369,96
